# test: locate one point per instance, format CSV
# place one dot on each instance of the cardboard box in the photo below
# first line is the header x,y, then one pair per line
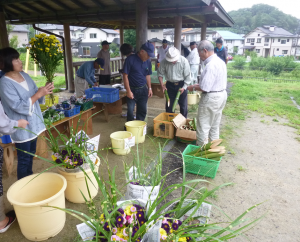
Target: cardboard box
x,y
182,133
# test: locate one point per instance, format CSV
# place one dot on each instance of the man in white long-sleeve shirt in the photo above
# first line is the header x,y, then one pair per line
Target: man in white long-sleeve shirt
x,y
213,85
194,60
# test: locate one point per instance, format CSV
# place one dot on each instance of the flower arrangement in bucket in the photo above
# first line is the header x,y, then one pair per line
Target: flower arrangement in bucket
x,y
46,51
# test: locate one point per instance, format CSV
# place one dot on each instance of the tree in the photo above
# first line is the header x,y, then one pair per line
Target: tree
x,y
31,33
130,37
14,42
114,50
9,28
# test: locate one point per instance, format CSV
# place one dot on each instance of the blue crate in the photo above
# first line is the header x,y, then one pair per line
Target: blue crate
x,y
6,139
65,105
105,95
70,112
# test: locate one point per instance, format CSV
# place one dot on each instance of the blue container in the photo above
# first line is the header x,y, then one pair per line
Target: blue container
x,y
70,112
103,95
6,139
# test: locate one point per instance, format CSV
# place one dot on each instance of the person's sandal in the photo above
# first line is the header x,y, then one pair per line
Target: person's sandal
x,y
11,219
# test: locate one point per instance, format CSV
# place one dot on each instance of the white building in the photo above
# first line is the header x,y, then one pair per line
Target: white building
x,y
296,47
270,41
22,34
233,42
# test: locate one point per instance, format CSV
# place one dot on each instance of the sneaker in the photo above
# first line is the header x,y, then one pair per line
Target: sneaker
x,y
11,219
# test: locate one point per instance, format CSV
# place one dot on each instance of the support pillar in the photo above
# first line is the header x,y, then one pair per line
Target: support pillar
x,y
69,61
141,23
122,40
3,30
203,31
177,32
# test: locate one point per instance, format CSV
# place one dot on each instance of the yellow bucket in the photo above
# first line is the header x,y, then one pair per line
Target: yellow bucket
x,y
118,142
49,102
193,98
29,196
138,129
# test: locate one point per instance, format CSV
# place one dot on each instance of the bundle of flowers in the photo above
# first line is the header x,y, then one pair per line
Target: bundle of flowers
x,y
124,224
70,160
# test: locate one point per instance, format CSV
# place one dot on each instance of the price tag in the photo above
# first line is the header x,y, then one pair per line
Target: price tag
x,y
145,130
129,142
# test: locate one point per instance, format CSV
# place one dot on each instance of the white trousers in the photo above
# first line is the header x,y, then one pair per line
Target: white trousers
x,y
210,110
194,74
80,86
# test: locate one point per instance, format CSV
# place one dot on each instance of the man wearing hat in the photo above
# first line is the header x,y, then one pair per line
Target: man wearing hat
x,y
161,52
104,53
194,60
136,75
176,70
221,51
85,76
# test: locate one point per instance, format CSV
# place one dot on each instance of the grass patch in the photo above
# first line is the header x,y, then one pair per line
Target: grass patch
x,y
59,81
240,168
268,98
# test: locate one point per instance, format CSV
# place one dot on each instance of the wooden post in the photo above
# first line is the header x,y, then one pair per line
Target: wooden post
x,y
141,23
69,61
121,42
27,61
177,32
203,31
3,30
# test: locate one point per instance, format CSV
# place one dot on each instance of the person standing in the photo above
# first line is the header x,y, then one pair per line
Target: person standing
x,y
176,70
85,76
194,60
104,54
213,84
221,51
136,75
161,52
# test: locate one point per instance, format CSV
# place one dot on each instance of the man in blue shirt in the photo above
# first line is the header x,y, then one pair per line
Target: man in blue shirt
x,y
221,51
136,75
85,76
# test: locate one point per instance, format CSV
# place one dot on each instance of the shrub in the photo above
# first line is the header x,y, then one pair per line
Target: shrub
x,y
239,62
21,49
258,63
275,65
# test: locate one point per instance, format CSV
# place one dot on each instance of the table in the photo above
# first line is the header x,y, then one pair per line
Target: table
x,y
64,127
111,108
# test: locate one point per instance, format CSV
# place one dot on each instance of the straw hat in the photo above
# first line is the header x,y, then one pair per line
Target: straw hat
x,y
172,54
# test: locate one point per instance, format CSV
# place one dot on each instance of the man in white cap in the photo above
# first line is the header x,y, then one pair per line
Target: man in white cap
x,y
176,70
194,61
213,84
161,52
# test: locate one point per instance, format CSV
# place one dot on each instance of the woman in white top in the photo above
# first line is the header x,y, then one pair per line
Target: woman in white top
x,y
20,99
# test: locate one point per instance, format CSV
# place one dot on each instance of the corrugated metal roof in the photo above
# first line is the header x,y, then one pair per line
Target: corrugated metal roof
x,y
277,31
110,31
227,35
19,28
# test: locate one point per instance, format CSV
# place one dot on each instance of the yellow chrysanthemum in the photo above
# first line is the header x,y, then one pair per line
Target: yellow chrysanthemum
x,y
183,239
162,231
47,49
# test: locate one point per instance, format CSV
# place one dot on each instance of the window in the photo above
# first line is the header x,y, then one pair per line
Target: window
x,y
81,35
61,33
283,42
154,30
267,40
273,40
277,49
258,35
93,36
86,50
228,41
284,52
250,40
193,37
258,40
278,40
288,40
257,50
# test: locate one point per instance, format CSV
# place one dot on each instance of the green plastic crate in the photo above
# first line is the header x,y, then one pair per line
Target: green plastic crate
x,y
86,105
199,166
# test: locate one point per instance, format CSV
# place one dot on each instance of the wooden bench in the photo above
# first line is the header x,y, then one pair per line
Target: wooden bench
x,y
8,156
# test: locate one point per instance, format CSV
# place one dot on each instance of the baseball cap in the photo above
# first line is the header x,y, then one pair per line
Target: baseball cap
x,y
105,43
100,62
165,41
219,40
149,48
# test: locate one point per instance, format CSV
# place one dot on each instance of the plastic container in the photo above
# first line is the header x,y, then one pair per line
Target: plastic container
x,y
138,129
118,142
49,102
5,139
70,112
199,166
103,95
163,126
76,183
29,196
193,98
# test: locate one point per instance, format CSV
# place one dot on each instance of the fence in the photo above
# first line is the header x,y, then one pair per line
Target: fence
x,y
277,80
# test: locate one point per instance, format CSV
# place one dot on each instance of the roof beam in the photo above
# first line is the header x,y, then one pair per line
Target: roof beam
x,y
79,4
62,5
119,3
38,11
19,9
98,3
46,6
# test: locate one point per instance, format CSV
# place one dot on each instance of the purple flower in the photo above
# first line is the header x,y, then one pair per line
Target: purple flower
x,y
166,227
135,229
119,220
139,208
140,216
179,222
174,226
188,239
106,227
141,221
138,239
121,211
58,161
64,152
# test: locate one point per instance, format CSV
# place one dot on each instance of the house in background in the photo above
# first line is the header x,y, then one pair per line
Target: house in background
x,y
270,41
233,42
21,32
296,47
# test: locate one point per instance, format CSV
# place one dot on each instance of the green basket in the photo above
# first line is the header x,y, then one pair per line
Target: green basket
x,y
199,166
85,106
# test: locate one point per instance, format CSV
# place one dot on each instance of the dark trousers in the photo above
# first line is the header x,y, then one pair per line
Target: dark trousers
x,y
104,79
25,160
140,98
172,91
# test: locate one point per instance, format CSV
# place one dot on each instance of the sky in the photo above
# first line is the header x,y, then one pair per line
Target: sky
x,y
291,7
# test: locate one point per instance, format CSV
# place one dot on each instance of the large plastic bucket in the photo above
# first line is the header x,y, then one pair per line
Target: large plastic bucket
x,y
76,183
193,98
29,195
118,142
137,129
